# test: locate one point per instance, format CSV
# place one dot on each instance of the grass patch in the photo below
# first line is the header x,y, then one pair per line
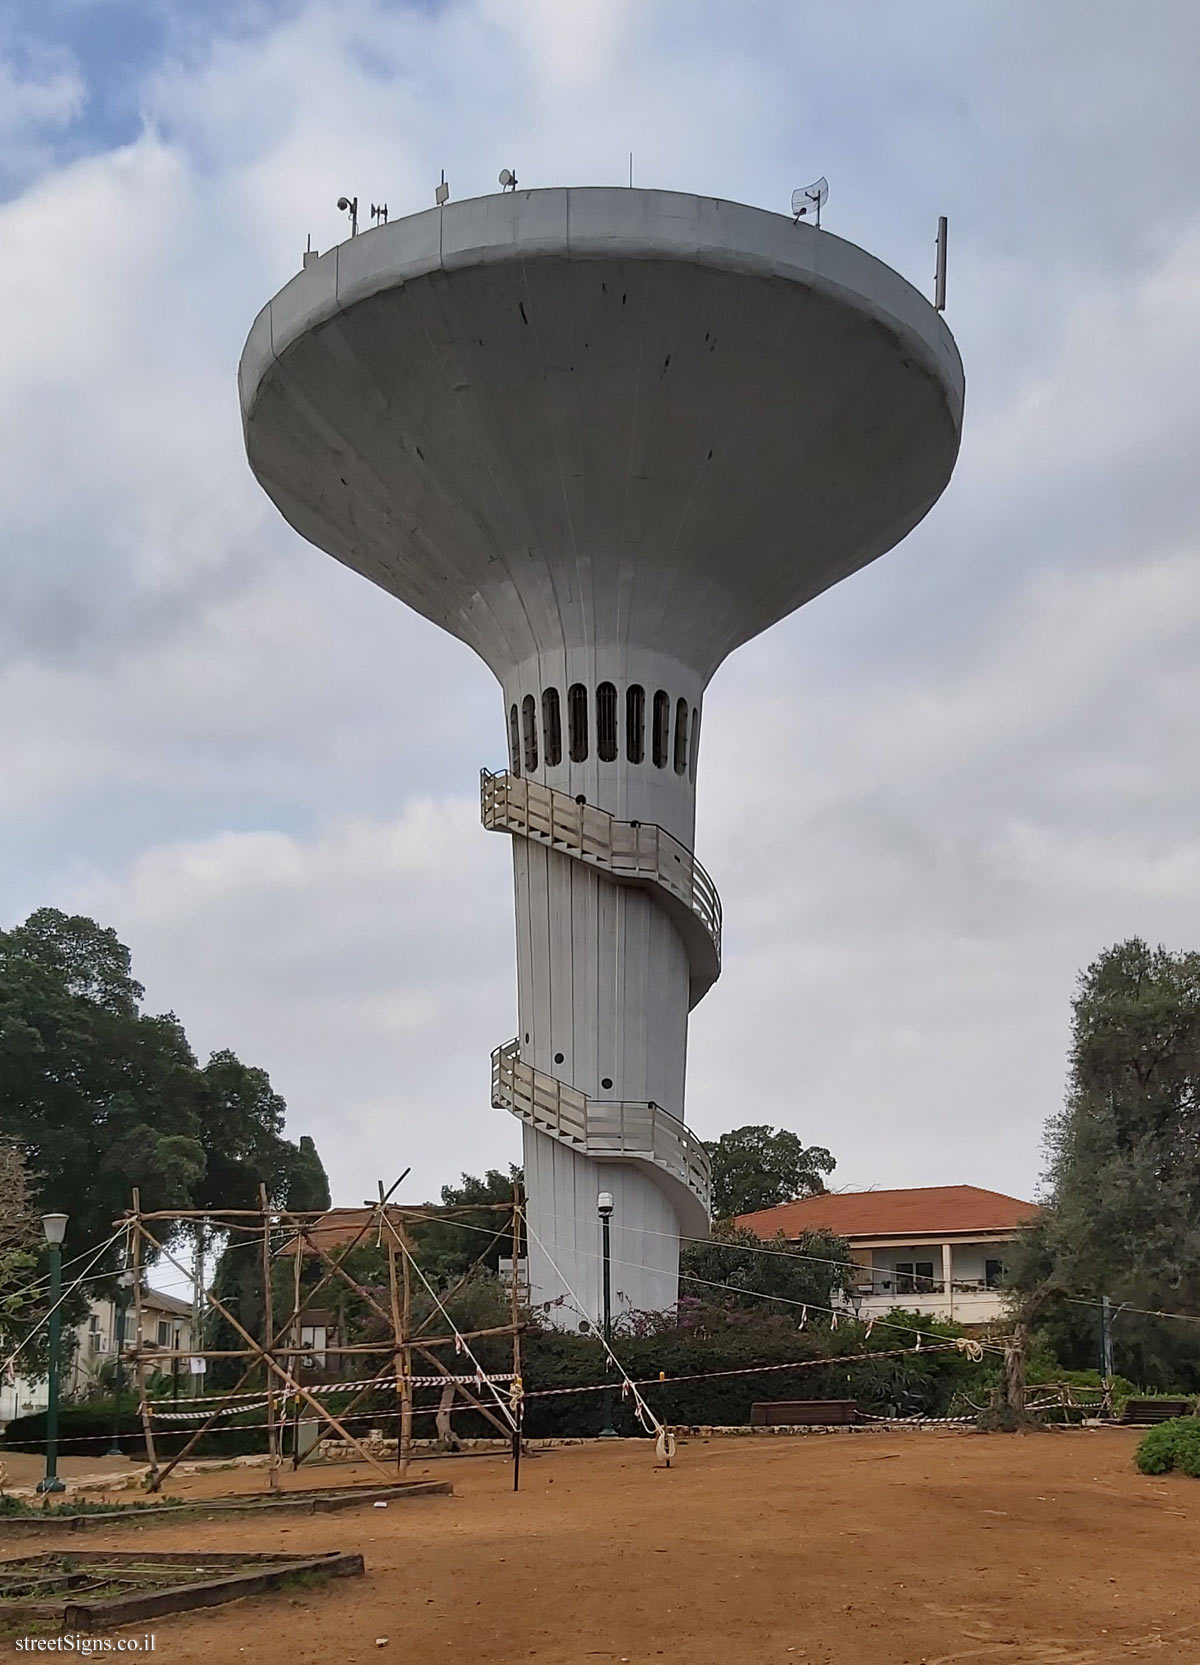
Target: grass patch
x,y
22,1508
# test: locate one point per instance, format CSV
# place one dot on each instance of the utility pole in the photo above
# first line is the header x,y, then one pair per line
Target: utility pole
x,y
1106,1339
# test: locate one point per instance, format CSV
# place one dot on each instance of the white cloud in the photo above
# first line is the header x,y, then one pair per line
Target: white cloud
x,y
928,799
346,961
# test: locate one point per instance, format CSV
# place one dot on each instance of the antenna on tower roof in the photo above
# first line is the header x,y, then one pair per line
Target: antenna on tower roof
x,y
379,212
807,202
441,193
508,179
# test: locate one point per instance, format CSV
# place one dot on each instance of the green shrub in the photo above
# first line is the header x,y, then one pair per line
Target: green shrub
x,y
87,1431
1173,1444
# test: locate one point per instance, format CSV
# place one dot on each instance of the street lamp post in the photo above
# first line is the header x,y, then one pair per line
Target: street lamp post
x,y
604,1207
124,1282
55,1228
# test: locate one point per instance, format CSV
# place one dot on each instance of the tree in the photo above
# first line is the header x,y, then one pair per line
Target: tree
x,y
20,1236
445,1248
757,1167
103,1096
751,1270
1123,1217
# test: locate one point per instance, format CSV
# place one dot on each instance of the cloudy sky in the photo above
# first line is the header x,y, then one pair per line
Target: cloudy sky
x,y
968,768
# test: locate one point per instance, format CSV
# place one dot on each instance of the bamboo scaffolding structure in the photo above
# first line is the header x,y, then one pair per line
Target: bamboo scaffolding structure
x,y
279,1350
278,1369
253,1354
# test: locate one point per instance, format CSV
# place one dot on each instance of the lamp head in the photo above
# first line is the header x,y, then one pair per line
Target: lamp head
x,y
55,1227
604,1205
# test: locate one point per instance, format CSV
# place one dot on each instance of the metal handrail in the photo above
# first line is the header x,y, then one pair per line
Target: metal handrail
x,y
627,849
610,1128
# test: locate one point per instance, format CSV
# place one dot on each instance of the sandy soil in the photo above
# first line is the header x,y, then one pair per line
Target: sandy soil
x,y
25,1468
875,1549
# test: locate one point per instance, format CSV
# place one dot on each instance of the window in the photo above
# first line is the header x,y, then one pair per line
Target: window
x,y
551,728
681,728
514,741
914,1277
606,722
163,1334
577,722
695,744
635,723
662,727
993,1271
529,730
313,1338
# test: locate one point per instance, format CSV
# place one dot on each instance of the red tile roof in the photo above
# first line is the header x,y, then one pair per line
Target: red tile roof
x,y
925,1211
341,1227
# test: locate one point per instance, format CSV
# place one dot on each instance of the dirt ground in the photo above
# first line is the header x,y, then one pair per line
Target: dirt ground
x,y
872,1549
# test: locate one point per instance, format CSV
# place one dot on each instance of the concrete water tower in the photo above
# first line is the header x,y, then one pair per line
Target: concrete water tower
x,y
602,436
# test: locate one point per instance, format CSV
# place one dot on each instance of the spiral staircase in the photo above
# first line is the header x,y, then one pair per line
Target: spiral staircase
x,y
637,853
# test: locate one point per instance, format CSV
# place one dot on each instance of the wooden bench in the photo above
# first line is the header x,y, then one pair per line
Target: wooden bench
x,y
795,1413
1143,1413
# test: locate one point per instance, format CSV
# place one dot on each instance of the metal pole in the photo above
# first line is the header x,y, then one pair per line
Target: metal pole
x,y
939,281
608,1432
50,1481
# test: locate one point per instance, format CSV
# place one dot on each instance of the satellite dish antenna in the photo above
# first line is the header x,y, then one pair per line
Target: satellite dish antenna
x,y
508,179
806,203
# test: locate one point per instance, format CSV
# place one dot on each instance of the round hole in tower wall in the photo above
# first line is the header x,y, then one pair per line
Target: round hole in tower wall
x,y
607,1082
526,1038
558,1057
581,799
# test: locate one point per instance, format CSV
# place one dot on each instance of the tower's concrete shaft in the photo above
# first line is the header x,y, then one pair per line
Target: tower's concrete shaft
x,y
603,436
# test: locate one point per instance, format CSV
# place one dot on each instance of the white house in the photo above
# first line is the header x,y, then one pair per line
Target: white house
x,y
937,1249
166,1326
92,1344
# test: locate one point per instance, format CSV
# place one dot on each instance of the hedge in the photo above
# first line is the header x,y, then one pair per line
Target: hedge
x,y
1173,1444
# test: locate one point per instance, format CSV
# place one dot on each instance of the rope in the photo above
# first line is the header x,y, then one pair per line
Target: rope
x,y
46,1316
460,1341
643,1412
747,1370
759,1294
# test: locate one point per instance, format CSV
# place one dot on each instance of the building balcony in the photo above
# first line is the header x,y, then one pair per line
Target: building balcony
x,y
967,1302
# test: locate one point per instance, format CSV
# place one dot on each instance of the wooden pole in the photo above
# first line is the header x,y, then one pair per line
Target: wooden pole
x,y
269,1339
295,1365
399,1333
406,1397
139,1362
